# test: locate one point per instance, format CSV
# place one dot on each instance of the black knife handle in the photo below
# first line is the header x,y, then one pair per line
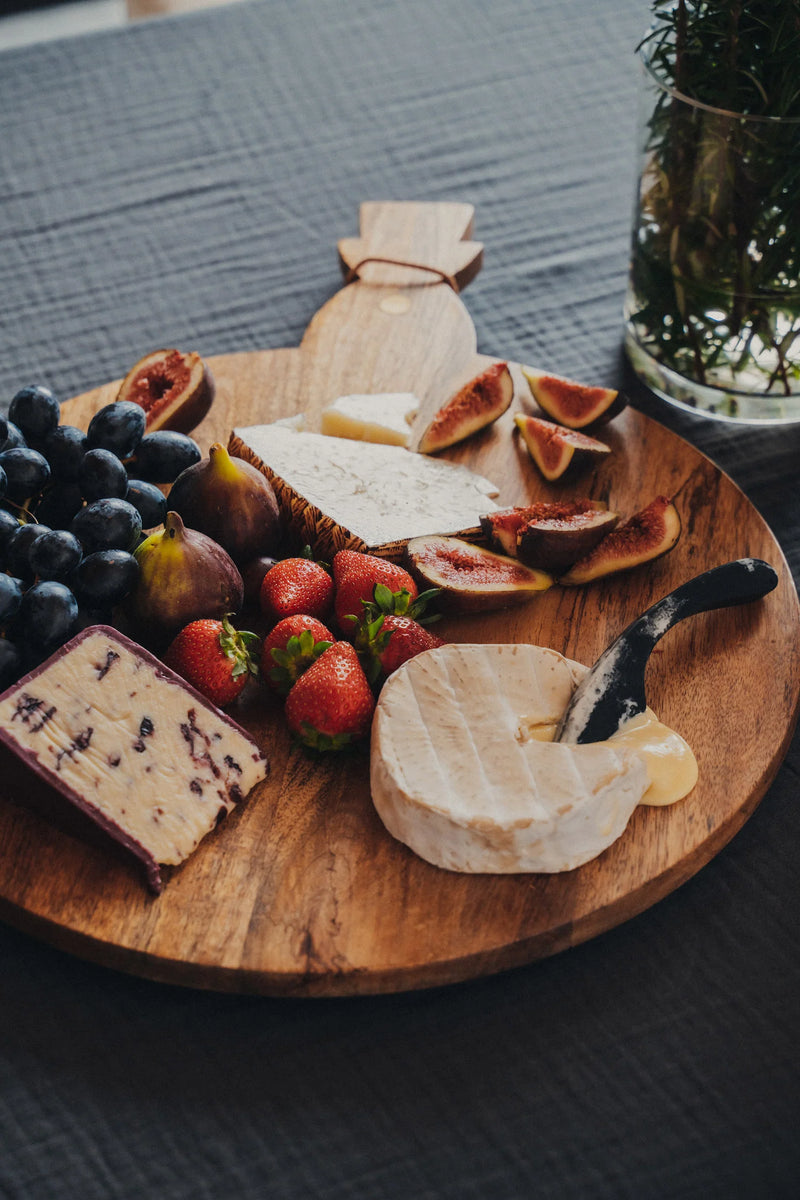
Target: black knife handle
x,y
613,690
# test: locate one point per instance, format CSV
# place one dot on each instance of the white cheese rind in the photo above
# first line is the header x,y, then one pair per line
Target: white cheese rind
x,y
458,775
381,494
383,417
106,725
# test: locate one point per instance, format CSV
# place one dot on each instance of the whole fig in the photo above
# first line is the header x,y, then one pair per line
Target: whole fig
x,y
183,576
232,502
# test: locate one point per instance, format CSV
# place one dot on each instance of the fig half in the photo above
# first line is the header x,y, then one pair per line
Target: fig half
x,y
477,404
471,578
575,405
553,448
646,535
176,390
503,527
559,534
500,528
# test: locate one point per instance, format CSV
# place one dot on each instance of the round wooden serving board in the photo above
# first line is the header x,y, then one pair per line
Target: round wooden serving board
x,y
302,892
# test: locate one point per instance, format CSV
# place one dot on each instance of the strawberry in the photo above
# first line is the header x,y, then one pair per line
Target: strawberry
x,y
291,647
296,585
214,657
331,705
356,576
387,641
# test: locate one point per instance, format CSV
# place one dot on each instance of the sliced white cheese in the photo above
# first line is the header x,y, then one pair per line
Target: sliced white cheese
x,y
384,417
380,494
459,772
296,421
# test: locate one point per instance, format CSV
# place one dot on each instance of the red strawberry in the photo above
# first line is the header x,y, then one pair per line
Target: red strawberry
x,y
332,703
214,657
386,640
405,639
290,649
356,576
296,585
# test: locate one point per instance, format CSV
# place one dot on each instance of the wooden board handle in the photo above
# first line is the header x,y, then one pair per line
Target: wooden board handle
x,y
407,244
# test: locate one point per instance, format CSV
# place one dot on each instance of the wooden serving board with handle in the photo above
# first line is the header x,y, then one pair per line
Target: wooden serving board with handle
x,y
302,891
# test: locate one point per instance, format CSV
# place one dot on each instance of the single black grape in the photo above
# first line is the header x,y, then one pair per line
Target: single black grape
x,y
9,524
105,578
109,524
3,430
162,456
64,449
10,596
55,554
19,548
119,427
149,500
58,505
10,664
27,473
36,411
102,475
14,437
48,615
3,483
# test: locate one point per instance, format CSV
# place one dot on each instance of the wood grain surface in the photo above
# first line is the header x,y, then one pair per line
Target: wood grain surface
x,y
303,892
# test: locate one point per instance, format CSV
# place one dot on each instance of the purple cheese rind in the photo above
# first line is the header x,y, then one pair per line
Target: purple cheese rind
x,y
34,785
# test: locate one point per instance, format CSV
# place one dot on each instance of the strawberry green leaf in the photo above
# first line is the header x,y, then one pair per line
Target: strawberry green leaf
x,y
312,739
300,652
241,647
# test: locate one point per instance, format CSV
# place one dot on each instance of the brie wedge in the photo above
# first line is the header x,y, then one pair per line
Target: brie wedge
x,y
384,417
463,771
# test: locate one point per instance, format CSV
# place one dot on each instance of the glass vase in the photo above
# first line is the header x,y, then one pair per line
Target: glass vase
x,y
712,312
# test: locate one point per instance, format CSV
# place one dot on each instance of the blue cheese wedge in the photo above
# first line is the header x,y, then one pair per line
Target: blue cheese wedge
x,y
107,730
383,417
336,493
463,770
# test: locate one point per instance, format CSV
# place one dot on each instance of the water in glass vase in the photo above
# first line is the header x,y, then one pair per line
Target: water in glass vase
x,y
730,355
712,313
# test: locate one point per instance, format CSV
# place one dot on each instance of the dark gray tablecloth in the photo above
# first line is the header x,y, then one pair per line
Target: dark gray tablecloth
x,y
185,182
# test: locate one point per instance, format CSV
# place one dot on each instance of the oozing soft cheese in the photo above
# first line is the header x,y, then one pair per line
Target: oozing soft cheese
x,y
671,765
464,772
383,417
106,723
379,493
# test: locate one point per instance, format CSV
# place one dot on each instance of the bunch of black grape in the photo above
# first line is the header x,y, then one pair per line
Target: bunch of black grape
x,y
73,507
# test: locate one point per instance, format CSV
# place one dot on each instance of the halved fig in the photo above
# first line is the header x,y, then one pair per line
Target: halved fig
x,y
477,404
646,535
502,527
552,447
575,405
559,534
471,578
176,390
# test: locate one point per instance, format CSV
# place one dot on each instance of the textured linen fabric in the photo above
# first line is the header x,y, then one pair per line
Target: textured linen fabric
x,y
184,182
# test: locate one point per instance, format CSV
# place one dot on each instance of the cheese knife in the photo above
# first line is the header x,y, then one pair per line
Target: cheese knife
x,y
613,690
